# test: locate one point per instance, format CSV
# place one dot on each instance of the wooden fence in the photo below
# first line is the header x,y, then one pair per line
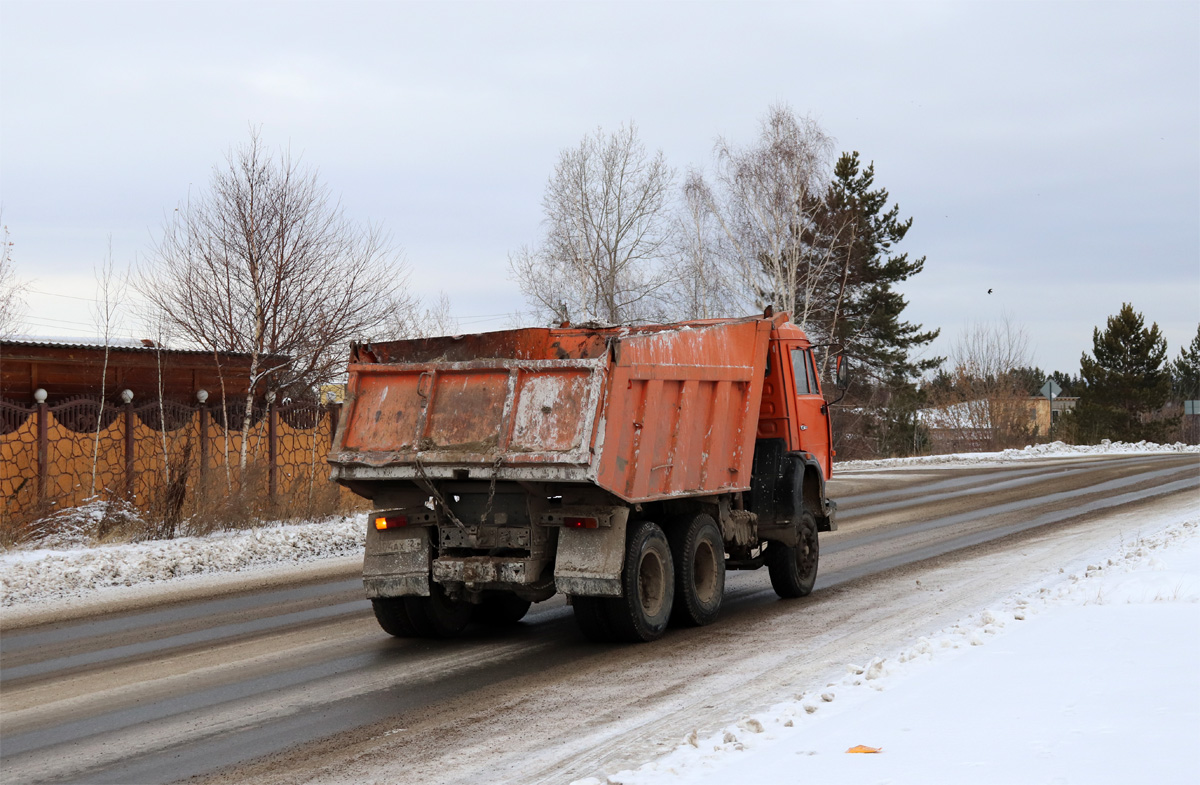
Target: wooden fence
x,y
165,458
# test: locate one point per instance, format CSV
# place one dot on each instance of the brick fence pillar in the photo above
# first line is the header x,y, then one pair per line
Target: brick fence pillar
x,y
272,451
128,415
43,449
203,443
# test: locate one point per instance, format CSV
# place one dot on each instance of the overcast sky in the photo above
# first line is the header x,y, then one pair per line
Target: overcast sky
x,y
1048,151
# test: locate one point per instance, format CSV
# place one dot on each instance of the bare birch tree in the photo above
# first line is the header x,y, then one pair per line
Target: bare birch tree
x,y
992,351
983,396
110,288
767,199
426,321
159,331
12,289
266,263
702,284
606,233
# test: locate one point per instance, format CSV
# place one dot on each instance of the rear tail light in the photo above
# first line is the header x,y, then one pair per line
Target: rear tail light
x,y
577,522
384,522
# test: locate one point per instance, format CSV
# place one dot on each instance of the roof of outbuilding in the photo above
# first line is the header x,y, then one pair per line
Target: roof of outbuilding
x,y
114,344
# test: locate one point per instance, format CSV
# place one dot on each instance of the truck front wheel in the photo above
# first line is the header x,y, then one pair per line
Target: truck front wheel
x,y
793,568
698,552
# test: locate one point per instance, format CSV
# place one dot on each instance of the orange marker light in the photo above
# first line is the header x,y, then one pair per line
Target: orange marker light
x,y
382,523
576,522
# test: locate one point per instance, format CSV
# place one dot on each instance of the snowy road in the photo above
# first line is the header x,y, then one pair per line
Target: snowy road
x,y
293,681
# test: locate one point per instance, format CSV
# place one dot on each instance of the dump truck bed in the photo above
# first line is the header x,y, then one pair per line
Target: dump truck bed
x,y
645,413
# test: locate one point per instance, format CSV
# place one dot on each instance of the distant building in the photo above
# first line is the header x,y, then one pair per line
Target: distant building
x,y
980,425
1043,416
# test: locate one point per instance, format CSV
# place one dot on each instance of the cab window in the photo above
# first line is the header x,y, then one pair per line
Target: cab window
x,y
812,372
802,366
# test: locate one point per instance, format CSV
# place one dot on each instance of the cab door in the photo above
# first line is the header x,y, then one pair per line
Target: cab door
x,y
812,415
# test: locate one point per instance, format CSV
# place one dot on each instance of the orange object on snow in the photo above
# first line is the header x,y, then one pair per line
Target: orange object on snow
x,y
864,748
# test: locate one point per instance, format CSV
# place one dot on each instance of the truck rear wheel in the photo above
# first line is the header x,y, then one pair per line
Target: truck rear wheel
x,y
648,590
793,568
648,584
500,609
393,616
698,552
591,614
437,616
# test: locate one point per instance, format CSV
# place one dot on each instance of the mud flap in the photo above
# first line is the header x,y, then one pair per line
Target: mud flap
x,y
589,561
828,521
397,562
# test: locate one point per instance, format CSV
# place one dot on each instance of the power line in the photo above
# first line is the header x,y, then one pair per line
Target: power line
x,y
463,318
59,321
474,320
56,294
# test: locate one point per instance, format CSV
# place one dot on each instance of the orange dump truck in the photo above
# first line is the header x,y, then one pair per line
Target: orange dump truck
x,y
627,468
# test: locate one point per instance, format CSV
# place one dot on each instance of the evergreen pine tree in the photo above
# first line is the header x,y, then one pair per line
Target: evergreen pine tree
x,y
1070,385
897,429
1029,379
1125,382
858,307
1186,370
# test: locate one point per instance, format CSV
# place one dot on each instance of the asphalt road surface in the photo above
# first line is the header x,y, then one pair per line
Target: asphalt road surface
x,y
296,683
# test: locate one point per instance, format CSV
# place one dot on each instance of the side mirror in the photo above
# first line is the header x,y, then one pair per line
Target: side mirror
x,y
842,375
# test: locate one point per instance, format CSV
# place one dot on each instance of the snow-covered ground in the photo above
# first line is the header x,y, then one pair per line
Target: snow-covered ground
x,y
46,576
1033,452
49,575
1087,677
1092,675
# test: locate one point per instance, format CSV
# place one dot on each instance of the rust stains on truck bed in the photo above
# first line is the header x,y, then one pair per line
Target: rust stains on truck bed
x,y
645,412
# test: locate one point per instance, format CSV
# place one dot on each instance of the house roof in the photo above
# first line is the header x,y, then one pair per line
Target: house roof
x,y
68,367
114,344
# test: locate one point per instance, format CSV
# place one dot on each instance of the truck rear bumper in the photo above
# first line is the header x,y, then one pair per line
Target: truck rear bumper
x,y
484,469
484,569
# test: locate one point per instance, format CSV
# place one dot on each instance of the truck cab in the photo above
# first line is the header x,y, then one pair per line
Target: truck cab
x,y
793,407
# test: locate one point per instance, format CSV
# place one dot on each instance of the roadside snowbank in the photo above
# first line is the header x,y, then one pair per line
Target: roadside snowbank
x,y
1036,451
56,574
50,574
1088,677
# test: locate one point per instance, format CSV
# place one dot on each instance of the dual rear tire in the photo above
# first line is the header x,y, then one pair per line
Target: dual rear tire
x,y
678,580
642,612
699,554
500,609
438,616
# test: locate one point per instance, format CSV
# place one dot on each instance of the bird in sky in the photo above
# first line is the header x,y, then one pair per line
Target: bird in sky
x,y
989,291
